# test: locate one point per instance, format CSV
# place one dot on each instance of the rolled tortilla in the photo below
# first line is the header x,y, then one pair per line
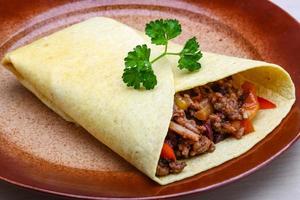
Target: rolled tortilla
x,y
77,73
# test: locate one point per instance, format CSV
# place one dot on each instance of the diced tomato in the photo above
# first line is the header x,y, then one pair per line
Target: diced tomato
x,y
247,124
251,105
248,87
167,152
265,104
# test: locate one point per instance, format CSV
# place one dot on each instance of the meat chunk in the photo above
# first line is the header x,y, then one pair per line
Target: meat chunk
x,y
184,132
165,168
176,166
202,146
177,112
183,150
221,126
188,149
227,104
162,169
189,124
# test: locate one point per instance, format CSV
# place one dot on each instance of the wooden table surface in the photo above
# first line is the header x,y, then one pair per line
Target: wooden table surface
x,y
278,180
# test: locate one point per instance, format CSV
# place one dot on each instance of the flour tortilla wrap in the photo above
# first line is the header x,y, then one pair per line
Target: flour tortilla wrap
x,y
77,73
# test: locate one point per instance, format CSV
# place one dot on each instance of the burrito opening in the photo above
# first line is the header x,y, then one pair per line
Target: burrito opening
x,y
205,115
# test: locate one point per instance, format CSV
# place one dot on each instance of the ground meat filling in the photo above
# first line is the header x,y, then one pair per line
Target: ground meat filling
x,y
202,116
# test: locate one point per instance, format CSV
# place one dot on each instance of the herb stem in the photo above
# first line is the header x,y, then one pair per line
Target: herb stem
x,y
158,57
161,55
166,48
171,53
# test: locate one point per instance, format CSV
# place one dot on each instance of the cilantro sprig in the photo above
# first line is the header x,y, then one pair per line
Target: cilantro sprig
x,y
138,66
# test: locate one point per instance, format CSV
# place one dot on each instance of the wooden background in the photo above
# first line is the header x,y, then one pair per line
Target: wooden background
x,y
279,180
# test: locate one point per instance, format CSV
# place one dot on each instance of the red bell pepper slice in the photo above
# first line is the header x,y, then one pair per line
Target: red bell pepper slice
x,y
167,152
265,104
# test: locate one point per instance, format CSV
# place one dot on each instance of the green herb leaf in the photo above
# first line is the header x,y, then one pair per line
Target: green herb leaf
x,y
138,69
139,57
134,78
160,31
190,55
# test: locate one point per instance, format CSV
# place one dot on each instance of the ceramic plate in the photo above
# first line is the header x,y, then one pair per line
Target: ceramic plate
x,y
40,150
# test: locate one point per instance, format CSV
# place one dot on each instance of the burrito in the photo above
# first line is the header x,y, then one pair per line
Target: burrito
x,y
189,123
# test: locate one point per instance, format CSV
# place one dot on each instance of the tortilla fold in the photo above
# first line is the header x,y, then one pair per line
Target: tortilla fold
x,y
77,73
